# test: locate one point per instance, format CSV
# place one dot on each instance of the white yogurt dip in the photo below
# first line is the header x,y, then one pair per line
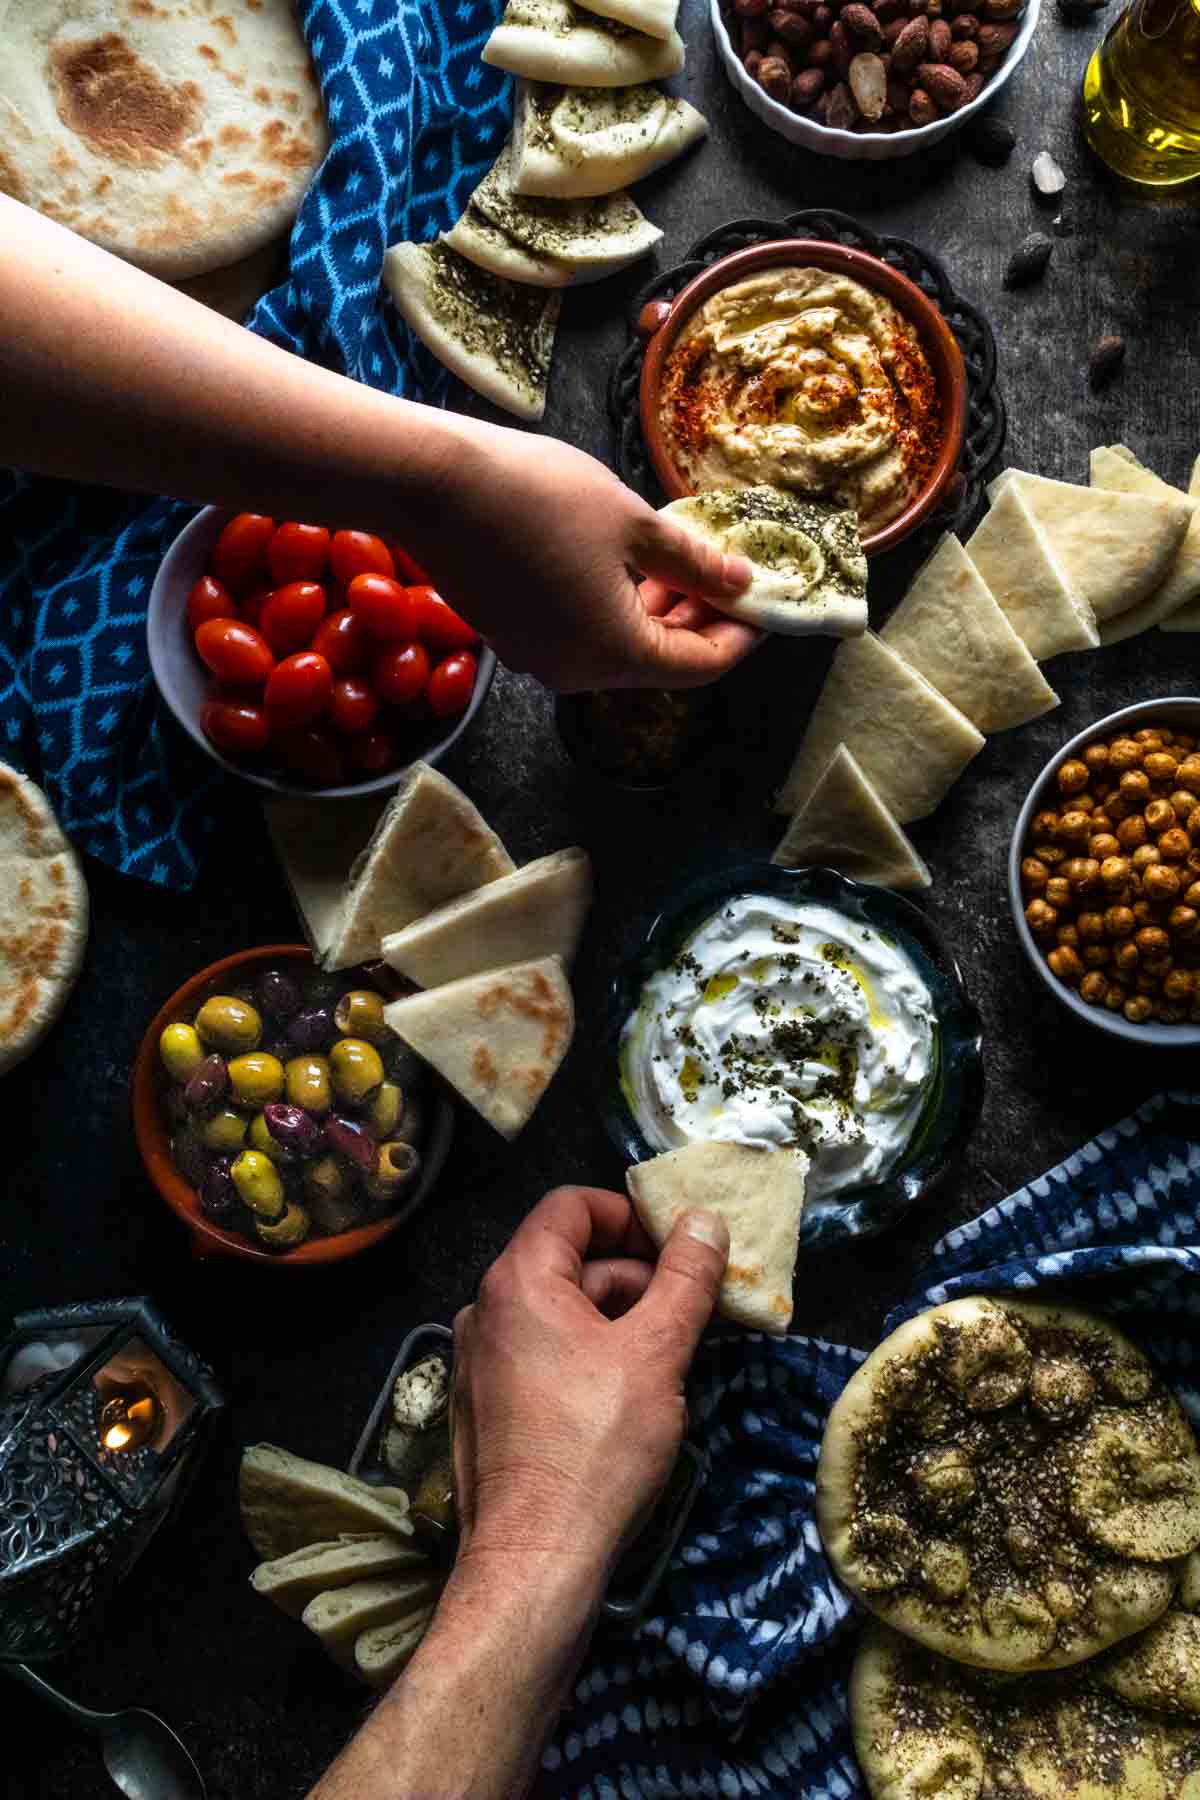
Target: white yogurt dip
x,y
784,1024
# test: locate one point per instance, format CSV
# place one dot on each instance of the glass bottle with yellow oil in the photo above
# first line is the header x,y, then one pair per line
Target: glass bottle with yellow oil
x,y
1141,94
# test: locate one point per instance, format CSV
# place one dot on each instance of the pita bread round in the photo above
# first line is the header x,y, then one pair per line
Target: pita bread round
x,y
1009,1484
43,917
181,137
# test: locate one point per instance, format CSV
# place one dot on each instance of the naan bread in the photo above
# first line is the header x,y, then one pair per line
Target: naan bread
x,y
43,917
429,846
539,911
181,137
760,1196
949,626
498,1038
289,1503
1114,548
291,1581
655,17
381,1653
910,743
810,574
497,336
844,825
575,143
1014,558
338,1617
554,40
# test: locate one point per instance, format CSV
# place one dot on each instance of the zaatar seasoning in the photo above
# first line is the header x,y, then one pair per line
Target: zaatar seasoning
x,y
498,321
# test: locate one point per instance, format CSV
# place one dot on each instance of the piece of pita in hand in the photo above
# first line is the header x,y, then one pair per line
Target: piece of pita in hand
x,y
576,143
760,1196
554,40
810,574
538,911
844,825
498,1038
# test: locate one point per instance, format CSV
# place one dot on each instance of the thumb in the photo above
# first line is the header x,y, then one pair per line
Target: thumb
x,y
683,1290
689,564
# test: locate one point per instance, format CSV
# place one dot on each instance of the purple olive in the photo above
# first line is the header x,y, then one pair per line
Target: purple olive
x,y
353,1141
312,1029
191,1159
293,1128
278,994
218,1196
208,1085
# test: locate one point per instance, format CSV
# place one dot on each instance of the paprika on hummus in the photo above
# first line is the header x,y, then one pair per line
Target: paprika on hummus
x,y
805,380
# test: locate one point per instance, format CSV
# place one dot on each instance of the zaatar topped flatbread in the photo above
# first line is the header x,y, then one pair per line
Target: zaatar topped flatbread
x,y
1014,557
43,917
1010,1484
574,143
179,140
810,574
288,1503
949,626
497,336
844,825
554,40
538,911
655,17
291,1581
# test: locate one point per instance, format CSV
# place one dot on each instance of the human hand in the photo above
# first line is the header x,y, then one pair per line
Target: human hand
x,y
539,547
568,1377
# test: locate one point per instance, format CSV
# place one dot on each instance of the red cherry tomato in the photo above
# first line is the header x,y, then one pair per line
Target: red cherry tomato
x,y
438,625
235,726
451,685
209,599
298,689
291,615
358,553
235,652
239,557
402,675
386,611
353,705
408,569
373,754
312,755
341,640
298,553
251,607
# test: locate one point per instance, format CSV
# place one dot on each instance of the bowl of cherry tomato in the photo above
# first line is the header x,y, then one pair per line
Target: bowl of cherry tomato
x,y
308,660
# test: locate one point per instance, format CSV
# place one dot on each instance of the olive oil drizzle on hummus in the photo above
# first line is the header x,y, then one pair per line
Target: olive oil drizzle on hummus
x,y
494,318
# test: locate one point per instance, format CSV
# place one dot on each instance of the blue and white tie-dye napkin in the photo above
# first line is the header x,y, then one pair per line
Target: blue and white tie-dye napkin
x,y
738,1685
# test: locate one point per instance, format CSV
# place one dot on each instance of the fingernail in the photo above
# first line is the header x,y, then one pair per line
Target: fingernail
x,y
735,572
708,1228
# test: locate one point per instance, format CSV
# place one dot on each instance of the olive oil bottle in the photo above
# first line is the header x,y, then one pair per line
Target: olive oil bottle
x,y
1141,93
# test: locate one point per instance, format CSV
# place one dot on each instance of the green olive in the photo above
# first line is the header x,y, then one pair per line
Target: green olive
x,y
307,1081
291,1228
327,1178
356,1070
360,1014
259,1138
383,1114
256,1079
225,1131
181,1051
396,1167
228,1024
257,1181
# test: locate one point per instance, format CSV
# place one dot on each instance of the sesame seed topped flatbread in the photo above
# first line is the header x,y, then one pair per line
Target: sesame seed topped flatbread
x,y
43,917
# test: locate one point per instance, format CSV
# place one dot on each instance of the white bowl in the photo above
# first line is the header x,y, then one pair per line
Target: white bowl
x,y
185,684
1182,710
862,146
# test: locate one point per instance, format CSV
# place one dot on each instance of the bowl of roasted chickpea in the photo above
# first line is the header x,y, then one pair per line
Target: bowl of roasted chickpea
x,y
1104,873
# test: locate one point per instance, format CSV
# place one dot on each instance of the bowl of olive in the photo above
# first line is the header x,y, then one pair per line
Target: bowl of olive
x,y
278,1116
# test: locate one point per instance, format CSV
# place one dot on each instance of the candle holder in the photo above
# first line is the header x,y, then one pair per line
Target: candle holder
x,y
103,1416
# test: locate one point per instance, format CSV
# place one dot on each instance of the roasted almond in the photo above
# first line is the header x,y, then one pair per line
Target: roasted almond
x,y
939,42
839,37
806,89
755,35
998,12
964,57
942,83
775,77
861,22
911,47
820,54
994,40
791,28
840,114
964,28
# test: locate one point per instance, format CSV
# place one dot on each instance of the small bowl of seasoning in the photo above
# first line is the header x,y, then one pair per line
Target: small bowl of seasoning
x,y
792,1008
639,739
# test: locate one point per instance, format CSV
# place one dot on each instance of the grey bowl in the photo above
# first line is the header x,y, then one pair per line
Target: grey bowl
x,y
185,683
1182,710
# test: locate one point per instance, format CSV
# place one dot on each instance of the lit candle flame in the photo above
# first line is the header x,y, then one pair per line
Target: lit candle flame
x,y
117,1436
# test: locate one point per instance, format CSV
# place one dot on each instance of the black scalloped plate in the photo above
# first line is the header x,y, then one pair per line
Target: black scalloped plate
x,y
986,418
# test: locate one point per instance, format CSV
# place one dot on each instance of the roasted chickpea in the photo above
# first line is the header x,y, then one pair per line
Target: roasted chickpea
x,y
1159,815
1183,742
1135,785
1074,827
1090,926
1191,862
1095,956
1034,874
1083,874
1152,940
1160,765
1102,844
1058,891
1188,773
1191,895
1174,845
1045,825
1115,872
1144,857
1145,913
1114,996
1072,777
1093,987
1119,806
1065,964
1041,918
1183,922
1181,803
1124,754
1161,883
1126,956
1084,803
1157,966
1096,757
1131,832
1067,934
1179,984
1191,823
1118,921
1138,1009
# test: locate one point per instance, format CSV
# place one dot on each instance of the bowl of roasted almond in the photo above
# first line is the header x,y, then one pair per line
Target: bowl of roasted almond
x,y
870,82
1104,873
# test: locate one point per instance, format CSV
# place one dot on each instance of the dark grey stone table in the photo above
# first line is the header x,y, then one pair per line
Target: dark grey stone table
x,y
301,1359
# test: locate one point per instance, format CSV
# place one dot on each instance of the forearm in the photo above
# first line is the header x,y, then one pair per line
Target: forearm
x,y
468,1717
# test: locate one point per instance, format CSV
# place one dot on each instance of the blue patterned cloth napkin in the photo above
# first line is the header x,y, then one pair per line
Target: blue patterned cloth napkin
x,y
738,1686
415,119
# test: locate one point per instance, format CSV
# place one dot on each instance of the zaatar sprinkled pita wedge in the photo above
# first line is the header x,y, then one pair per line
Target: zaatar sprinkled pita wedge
x,y
554,40
575,143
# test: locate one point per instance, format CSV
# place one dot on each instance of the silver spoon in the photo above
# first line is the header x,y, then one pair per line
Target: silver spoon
x,y
142,1754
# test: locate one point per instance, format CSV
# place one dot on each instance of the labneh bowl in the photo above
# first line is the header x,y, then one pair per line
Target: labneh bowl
x,y
185,684
1181,711
952,1104
661,323
152,1132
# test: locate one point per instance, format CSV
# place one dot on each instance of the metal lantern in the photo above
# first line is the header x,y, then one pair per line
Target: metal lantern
x,y
103,1414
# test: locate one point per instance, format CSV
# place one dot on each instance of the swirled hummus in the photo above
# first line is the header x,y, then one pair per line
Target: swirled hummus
x,y
784,1024
804,380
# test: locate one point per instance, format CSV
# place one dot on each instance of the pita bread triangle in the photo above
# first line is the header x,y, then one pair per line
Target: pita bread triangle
x,y
497,336
1187,618
498,1038
290,1582
589,238
1113,548
338,1617
844,825
381,1653
539,911
485,245
575,143
760,1196
1027,581
288,1503
655,17
949,626
555,40
1115,468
